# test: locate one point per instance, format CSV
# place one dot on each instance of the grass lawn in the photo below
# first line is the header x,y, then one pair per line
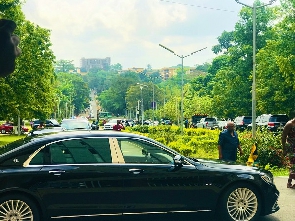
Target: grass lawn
x,y
8,138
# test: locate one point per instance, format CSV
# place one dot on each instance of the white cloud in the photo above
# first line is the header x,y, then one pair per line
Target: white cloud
x,y
129,31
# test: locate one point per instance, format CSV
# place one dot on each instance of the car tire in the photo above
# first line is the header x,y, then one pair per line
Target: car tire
x,y
3,131
18,207
240,202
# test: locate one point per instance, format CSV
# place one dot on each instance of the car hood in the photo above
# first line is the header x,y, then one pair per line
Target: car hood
x,y
224,165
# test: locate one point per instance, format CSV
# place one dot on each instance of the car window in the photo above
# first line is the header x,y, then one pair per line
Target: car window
x,y
75,151
282,118
136,151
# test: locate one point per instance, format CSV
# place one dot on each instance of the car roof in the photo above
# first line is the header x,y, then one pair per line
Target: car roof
x,y
50,135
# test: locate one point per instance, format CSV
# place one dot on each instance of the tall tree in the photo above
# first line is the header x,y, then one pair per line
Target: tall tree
x,y
30,92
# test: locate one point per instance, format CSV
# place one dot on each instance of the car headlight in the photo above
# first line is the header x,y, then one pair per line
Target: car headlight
x,y
266,178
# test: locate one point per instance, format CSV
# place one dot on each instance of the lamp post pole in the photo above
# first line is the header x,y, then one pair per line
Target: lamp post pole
x,y
254,7
182,73
142,112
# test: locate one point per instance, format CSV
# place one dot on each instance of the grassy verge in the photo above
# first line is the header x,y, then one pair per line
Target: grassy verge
x,y
5,139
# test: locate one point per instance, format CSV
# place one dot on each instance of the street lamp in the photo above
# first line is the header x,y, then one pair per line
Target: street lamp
x,y
182,57
142,114
254,7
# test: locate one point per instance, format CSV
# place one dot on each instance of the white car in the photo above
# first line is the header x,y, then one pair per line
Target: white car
x,y
75,124
109,125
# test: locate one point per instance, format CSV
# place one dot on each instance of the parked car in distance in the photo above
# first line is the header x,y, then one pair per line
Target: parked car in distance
x,y
46,123
196,119
125,176
75,124
242,122
277,122
8,128
222,124
273,122
208,122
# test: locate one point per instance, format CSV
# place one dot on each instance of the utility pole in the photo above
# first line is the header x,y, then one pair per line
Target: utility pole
x,y
254,7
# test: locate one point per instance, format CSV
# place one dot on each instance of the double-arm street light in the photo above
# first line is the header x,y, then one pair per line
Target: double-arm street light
x,y
142,111
254,7
182,57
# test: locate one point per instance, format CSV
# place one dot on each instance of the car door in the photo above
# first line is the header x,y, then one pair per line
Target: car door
x,y
152,183
79,178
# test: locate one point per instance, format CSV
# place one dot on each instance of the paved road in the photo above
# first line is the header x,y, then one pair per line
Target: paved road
x,y
286,202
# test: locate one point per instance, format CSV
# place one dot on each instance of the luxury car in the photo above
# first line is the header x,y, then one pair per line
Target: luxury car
x,y
62,175
8,128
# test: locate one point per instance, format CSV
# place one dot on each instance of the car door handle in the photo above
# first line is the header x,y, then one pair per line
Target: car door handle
x,y
57,172
136,171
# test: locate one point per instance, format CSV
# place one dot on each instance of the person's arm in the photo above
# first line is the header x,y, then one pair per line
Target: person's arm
x,y
286,130
220,141
219,152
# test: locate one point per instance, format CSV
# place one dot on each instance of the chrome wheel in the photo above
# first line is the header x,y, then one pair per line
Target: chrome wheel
x,y
15,210
3,131
242,204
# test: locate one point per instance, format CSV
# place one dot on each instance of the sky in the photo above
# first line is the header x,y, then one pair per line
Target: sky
x,y
130,31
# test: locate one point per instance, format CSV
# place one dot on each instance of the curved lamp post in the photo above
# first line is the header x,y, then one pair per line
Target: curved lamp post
x,y
182,57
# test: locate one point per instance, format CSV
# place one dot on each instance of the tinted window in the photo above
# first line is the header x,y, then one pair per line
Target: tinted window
x,y
75,151
210,119
247,119
282,118
135,151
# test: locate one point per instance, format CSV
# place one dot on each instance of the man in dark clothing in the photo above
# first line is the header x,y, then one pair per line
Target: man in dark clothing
x,y
229,143
8,47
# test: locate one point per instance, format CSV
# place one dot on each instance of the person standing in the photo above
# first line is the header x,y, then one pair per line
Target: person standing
x,y
186,123
119,126
8,47
229,143
288,143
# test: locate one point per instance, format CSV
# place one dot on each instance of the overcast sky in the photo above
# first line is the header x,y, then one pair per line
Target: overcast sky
x,y
130,31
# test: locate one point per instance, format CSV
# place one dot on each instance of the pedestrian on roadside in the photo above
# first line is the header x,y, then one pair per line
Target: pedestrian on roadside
x,y
229,143
186,123
288,143
119,126
8,47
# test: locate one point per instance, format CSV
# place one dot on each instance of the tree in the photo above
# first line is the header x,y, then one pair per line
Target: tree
x,y
29,91
64,66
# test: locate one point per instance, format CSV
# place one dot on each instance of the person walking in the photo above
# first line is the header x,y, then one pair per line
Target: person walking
x,y
9,47
119,126
229,143
288,143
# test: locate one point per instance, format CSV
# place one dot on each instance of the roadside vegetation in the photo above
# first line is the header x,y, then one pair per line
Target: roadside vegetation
x,y
202,143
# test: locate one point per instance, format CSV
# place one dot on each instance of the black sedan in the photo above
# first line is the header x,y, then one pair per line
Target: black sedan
x,y
87,174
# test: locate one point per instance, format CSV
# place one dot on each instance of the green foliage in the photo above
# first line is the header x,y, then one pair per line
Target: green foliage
x,y
202,143
72,92
29,91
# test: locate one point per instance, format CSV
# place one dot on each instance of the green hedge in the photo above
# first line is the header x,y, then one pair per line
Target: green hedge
x,y
202,143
